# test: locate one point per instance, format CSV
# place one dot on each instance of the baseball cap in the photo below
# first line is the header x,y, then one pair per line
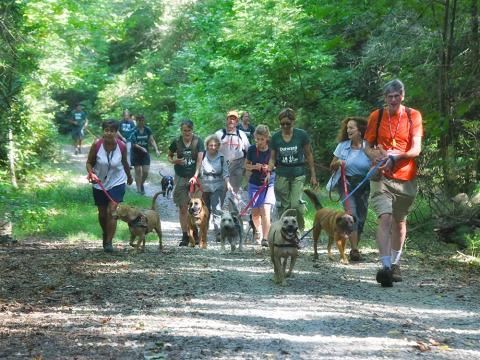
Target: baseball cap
x,y
233,113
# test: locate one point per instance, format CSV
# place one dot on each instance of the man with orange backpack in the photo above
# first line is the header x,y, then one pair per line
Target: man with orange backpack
x,y
394,139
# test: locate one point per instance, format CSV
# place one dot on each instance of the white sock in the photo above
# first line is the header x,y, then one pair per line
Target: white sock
x,y
396,255
386,261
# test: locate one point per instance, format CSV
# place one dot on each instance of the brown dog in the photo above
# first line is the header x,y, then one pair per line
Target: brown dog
x,y
283,244
140,222
337,224
197,221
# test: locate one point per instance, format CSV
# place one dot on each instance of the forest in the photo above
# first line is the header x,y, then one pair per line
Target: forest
x,y
172,60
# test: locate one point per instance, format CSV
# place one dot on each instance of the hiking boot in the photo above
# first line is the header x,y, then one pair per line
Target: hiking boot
x,y
396,273
355,255
264,243
384,277
108,248
184,241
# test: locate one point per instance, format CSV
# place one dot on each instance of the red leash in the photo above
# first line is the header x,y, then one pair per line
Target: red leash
x,y
254,197
191,190
97,181
345,187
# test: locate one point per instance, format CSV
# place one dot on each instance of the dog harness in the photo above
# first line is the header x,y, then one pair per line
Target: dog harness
x,y
139,221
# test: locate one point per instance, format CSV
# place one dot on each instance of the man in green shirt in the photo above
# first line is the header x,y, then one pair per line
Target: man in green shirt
x,y
79,122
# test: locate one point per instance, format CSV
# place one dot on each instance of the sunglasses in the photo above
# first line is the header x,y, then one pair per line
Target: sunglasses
x,y
285,123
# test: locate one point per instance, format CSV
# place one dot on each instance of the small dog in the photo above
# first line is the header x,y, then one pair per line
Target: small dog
x,y
198,216
140,222
337,224
231,228
167,185
283,244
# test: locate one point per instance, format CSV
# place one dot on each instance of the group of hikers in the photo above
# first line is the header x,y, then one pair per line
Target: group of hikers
x,y
381,149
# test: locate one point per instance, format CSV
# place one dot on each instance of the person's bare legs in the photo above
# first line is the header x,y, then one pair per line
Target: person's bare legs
x,y
265,216
257,221
145,172
383,236
108,225
138,177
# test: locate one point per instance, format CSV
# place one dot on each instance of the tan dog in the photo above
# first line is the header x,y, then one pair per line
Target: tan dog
x,y
337,224
140,222
197,220
283,244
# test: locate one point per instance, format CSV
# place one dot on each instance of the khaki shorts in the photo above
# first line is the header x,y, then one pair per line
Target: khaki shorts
x,y
396,197
181,196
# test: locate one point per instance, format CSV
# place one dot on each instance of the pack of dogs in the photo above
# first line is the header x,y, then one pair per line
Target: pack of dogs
x,y
283,237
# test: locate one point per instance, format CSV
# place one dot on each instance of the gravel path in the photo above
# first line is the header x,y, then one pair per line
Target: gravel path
x,y
71,301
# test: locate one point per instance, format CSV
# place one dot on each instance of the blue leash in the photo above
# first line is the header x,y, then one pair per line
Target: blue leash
x,y
368,176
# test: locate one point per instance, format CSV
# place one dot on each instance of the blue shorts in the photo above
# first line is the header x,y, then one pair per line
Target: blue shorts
x,y
140,159
117,193
266,196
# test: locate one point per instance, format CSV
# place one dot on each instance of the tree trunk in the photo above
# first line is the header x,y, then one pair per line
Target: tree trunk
x,y
11,157
475,40
447,149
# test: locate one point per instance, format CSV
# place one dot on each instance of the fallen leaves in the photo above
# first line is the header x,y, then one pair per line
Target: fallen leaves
x,y
424,346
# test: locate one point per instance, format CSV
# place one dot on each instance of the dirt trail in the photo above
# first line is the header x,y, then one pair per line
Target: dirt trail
x,y
72,301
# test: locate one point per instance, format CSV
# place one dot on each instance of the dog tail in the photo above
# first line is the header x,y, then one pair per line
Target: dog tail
x,y
154,200
313,198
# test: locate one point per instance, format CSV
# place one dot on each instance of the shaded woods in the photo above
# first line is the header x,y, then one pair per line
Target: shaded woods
x,y
185,59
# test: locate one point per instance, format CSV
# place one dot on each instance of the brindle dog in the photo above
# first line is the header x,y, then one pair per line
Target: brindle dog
x,y
337,224
197,221
283,244
140,222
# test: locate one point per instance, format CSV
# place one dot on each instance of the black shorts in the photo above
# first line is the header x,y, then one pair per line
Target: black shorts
x,y
140,159
117,193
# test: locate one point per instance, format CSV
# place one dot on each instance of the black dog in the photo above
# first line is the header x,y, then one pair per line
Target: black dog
x,y
167,185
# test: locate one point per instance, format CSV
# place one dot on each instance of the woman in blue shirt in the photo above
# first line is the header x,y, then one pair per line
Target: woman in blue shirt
x,y
351,151
258,156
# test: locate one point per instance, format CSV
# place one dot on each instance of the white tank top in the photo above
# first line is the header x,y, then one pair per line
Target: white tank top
x,y
109,168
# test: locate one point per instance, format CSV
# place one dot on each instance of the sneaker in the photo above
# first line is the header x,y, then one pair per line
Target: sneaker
x,y
355,255
264,243
384,277
396,273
